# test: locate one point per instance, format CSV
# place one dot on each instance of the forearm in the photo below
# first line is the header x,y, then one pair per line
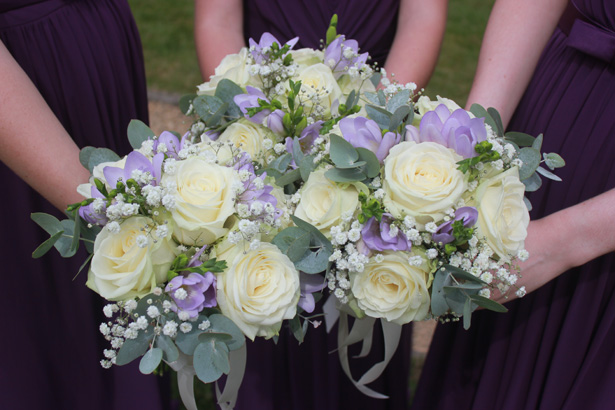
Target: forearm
x,y
516,34
418,39
218,31
33,143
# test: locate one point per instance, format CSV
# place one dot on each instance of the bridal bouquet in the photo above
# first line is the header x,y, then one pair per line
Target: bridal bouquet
x,y
299,177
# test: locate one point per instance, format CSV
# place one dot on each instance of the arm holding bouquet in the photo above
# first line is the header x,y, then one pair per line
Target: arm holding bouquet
x,y
32,148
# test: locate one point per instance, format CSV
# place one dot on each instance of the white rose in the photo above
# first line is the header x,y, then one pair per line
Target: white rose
x,y
233,67
502,215
392,289
318,80
121,269
259,289
247,136
323,203
305,57
424,105
204,200
422,180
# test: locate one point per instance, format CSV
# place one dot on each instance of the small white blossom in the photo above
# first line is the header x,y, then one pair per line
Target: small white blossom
x,y
485,292
113,227
131,333
185,327
487,277
183,315
521,292
180,294
153,312
157,291
523,255
279,148
142,241
110,309
432,253
142,323
204,325
431,227
104,329
415,260
354,235
170,329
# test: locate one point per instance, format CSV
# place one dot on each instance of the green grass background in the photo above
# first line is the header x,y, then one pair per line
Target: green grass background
x,y
166,29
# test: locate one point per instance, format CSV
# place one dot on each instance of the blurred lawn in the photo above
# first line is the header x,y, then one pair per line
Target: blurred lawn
x,y
171,65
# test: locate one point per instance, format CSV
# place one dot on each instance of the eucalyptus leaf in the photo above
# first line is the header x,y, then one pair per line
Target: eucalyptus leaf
x,y
459,273
216,117
553,160
293,242
527,203
297,328
101,155
150,361
342,153
314,261
488,304
480,112
206,105
382,100
318,237
381,116
455,299
498,121
467,314
281,163
372,98
133,348
398,116
226,90
48,222
537,145
44,247
532,183
375,79
531,160
185,103
306,167
84,156
203,361
74,245
548,174
398,100
223,324
372,165
289,177
439,306
520,139
353,99
64,244
138,133
345,175
166,344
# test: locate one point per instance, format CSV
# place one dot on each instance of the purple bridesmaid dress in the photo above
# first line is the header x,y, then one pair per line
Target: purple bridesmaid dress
x,y
85,58
309,376
554,349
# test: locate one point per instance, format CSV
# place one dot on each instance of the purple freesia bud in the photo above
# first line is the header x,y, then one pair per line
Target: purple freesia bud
x,y
193,292
266,41
212,135
343,54
364,133
250,100
137,166
89,214
381,236
444,234
309,284
307,137
275,123
168,144
456,130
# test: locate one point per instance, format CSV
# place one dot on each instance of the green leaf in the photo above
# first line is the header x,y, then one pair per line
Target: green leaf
x,y
150,361
314,261
353,99
185,103
381,116
293,242
480,112
455,299
100,155
331,34
537,145
289,177
44,247
553,160
372,165
223,324
204,363
74,246
488,304
439,306
400,99
138,133
342,153
532,183
226,90
548,174
64,244
527,203
372,98
498,121
84,156
216,117
345,175
133,348
531,160
297,328
519,138
307,166
206,106
460,274
398,116
165,343
467,314
375,79
49,223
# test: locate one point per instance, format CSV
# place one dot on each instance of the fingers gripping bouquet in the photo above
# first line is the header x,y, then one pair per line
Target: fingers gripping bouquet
x,y
297,176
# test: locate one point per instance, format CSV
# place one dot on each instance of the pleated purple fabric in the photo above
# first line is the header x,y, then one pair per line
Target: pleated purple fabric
x,y
85,58
308,376
554,349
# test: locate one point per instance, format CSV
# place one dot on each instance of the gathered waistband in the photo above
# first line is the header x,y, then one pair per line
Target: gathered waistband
x,y
31,13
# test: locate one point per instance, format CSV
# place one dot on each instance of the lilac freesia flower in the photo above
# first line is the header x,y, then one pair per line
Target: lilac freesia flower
x,y
192,292
454,130
275,123
378,237
88,213
137,165
309,284
265,42
307,137
250,100
168,144
343,54
364,133
444,234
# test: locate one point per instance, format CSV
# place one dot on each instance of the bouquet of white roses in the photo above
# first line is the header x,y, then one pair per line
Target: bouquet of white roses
x,y
297,176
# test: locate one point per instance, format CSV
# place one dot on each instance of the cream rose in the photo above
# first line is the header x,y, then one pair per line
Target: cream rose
x,y
121,269
502,215
319,87
259,289
204,200
305,57
247,136
323,203
233,67
422,180
392,289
